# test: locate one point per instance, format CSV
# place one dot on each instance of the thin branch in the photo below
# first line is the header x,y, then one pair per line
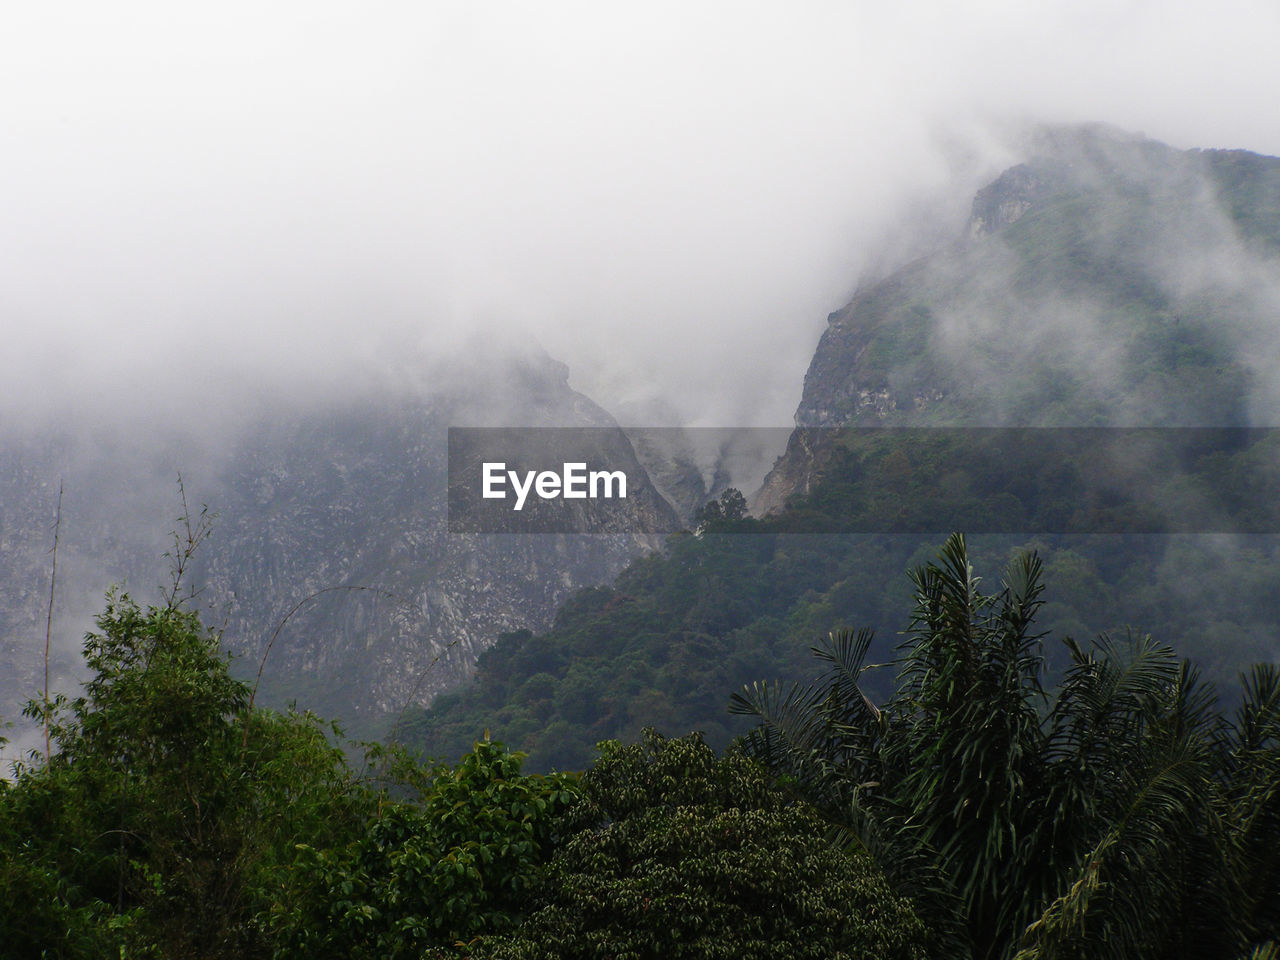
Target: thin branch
x,y
395,730
253,696
48,623
185,546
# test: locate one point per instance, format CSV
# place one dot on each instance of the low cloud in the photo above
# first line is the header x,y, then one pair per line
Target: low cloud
x,y
206,205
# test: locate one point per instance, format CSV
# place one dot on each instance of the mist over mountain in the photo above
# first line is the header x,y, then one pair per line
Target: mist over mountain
x,y
219,220
337,509
1108,280
216,203
1105,280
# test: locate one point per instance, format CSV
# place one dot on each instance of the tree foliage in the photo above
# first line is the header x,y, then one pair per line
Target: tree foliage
x,y
1119,815
174,821
157,826
454,862
1123,817
676,852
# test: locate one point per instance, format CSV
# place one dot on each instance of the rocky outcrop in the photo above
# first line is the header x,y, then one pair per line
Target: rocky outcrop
x,y
1108,279
1002,202
337,514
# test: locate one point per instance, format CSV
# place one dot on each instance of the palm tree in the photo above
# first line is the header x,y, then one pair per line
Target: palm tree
x,y
1122,817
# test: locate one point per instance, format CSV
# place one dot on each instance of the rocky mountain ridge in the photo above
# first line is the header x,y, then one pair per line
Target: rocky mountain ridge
x,y
339,512
1106,280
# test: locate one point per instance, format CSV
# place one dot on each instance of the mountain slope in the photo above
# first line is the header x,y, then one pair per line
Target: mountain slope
x,y
337,509
1108,280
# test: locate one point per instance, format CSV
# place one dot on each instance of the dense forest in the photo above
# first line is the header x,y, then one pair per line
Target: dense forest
x,y
974,810
1075,761
744,598
1086,320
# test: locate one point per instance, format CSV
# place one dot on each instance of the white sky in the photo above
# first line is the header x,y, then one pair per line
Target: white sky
x,y
669,196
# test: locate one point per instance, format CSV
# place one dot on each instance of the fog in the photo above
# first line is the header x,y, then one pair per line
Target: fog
x,y
203,203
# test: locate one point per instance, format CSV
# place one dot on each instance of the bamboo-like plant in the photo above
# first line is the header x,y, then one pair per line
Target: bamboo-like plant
x,y
1122,817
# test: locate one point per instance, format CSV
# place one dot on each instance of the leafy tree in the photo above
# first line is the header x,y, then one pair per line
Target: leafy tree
x,y
453,863
168,814
1124,817
174,821
731,506
677,853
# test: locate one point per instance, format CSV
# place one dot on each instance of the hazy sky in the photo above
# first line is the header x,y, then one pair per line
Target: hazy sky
x,y
669,196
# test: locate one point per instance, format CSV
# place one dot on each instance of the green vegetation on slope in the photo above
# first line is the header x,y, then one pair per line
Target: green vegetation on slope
x,y
713,611
1121,816
172,820
971,813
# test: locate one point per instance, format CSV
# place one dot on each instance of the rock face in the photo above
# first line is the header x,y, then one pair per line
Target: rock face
x,y
331,530
1107,280
1017,191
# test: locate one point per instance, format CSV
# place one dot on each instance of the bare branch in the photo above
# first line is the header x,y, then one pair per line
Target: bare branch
x,y
280,626
185,545
48,624
395,730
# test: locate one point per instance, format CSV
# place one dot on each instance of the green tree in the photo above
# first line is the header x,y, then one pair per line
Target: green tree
x,y
167,816
1124,817
731,506
454,862
174,821
674,852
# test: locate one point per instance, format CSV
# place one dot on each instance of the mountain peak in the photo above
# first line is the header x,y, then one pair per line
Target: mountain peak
x,y
1008,197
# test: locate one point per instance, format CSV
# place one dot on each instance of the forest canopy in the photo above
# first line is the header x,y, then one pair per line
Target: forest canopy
x,y
973,811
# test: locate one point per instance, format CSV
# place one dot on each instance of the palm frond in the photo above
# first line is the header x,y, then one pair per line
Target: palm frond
x,y
846,652
1117,904
1251,781
791,718
793,738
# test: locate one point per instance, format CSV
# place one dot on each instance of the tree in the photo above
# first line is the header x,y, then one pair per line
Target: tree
x,y
674,852
167,815
424,872
1122,818
731,506
173,820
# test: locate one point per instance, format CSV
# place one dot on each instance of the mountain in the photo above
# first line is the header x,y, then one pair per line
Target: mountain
x,y
1107,280
330,545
